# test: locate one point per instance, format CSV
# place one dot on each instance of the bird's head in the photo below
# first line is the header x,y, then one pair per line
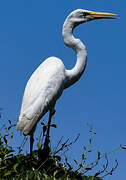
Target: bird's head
x,y
80,16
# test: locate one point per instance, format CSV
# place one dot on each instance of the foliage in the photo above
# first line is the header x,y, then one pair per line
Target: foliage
x,y
46,166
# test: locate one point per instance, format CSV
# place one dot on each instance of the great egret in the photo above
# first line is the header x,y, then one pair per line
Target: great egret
x,y
49,80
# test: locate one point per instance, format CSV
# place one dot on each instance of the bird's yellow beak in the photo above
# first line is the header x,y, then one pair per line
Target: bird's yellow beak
x,y
100,15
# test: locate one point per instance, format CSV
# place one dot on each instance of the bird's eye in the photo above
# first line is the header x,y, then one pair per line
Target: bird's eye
x,y
86,14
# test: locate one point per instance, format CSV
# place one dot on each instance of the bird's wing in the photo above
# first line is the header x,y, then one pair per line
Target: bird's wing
x,y
42,90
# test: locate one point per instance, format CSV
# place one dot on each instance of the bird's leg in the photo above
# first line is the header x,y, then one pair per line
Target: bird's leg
x,y
31,144
44,153
46,144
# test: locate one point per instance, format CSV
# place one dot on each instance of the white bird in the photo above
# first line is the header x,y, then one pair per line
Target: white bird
x,y
49,80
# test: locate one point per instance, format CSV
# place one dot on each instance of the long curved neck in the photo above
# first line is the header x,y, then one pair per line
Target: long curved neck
x,y
75,73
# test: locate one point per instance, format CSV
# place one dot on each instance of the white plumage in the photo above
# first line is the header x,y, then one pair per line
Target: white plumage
x,y
48,81
42,90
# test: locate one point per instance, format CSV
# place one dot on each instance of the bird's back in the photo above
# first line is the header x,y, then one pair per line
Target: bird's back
x,y
42,90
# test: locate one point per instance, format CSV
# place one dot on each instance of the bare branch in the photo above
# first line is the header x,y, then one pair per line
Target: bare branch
x,y
112,170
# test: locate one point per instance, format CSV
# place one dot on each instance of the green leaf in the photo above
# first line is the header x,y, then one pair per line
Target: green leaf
x,y
42,123
9,127
7,173
4,167
39,145
5,140
90,140
99,154
83,156
76,162
82,165
15,167
55,172
85,148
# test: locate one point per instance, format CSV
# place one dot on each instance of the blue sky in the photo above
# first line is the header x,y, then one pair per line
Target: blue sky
x,y
30,31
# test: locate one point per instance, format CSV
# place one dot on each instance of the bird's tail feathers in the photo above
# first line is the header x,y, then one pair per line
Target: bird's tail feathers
x,y
22,121
29,118
27,125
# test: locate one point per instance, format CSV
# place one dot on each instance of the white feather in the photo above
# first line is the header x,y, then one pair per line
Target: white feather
x,y
42,90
